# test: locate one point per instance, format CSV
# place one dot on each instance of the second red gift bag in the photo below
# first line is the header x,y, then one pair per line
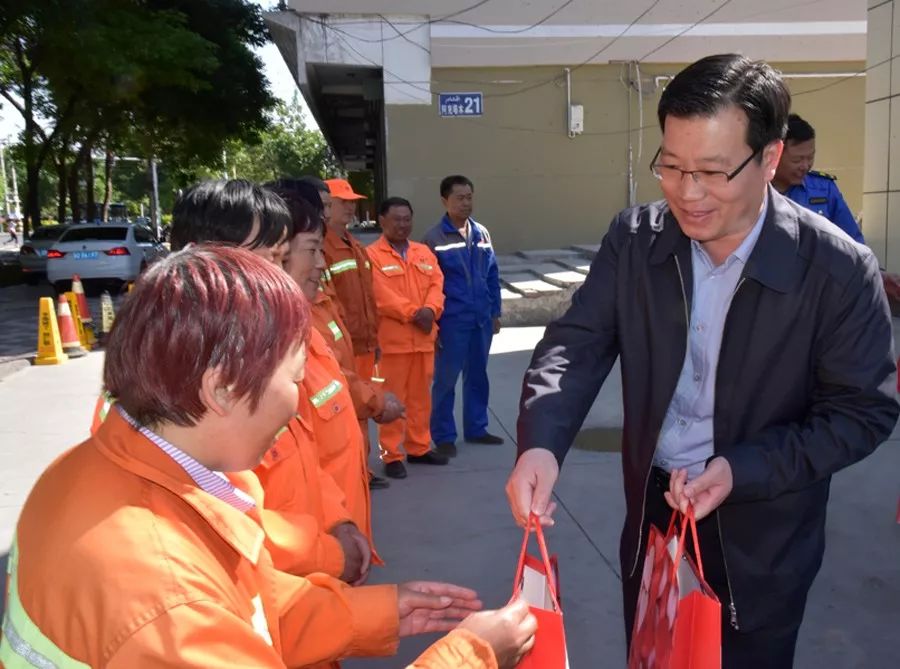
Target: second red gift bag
x,y
677,624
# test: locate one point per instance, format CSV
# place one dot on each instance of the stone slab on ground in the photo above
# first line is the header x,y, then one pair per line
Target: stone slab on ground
x,y
525,283
589,250
583,266
512,261
549,254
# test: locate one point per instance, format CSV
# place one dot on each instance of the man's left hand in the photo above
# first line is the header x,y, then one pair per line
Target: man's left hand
x,y
497,325
705,493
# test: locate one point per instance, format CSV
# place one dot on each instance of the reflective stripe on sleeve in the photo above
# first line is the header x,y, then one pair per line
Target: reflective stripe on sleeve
x,y
23,644
343,266
450,247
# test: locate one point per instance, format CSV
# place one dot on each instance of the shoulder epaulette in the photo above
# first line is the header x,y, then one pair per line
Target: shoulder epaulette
x,y
824,175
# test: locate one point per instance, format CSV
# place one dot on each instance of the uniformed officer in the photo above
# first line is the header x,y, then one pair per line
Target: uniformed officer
x,y
817,191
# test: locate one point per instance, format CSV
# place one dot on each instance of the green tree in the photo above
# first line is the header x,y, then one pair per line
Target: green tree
x,y
286,148
174,78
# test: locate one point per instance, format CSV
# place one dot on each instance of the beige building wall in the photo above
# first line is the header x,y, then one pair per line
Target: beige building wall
x,y
882,144
537,188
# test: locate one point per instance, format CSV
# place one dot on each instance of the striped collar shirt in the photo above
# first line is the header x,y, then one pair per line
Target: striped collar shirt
x,y
215,483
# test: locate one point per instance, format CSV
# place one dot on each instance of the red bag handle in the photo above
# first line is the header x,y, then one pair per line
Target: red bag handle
x,y
687,518
534,524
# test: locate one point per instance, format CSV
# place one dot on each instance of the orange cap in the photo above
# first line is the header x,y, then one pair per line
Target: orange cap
x,y
341,188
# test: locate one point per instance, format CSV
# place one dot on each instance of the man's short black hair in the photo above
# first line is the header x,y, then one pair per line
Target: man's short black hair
x,y
447,184
394,202
303,203
713,83
225,211
799,130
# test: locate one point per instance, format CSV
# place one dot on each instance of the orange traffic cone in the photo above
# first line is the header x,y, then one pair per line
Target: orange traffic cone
x,y
68,333
83,308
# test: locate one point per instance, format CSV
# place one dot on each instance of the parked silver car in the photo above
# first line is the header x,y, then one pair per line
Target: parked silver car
x,y
33,253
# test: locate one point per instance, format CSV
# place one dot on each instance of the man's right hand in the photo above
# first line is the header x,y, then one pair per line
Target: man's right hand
x,y
509,631
530,486
393,409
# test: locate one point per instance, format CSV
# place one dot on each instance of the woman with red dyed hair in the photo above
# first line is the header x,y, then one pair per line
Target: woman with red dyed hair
x,y
134,549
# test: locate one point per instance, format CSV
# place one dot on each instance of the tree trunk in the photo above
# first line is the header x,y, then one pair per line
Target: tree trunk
x,y
74,191
90,200
107,180
32,166
61,190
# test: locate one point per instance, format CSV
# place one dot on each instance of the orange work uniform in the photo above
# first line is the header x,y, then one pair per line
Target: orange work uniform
x,y
350,274
342,453
120,560
403,285
301,502
368,397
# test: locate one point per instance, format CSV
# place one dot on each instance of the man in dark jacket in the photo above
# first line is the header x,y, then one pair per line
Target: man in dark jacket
x,y
756,353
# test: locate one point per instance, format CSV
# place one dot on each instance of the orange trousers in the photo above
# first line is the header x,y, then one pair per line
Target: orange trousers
x,y
365,367
408,376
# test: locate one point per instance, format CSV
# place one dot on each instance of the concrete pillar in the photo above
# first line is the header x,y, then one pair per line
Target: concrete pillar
x,y
881,188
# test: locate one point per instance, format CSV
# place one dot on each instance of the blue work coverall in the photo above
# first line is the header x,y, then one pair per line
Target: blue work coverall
x,y
819,193
471,302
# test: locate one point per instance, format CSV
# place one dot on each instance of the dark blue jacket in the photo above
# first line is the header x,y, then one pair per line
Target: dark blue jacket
x,y
820,194
804,383
471,276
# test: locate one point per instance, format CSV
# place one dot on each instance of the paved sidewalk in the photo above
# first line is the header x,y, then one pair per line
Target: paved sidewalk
x,y
19,309
453,523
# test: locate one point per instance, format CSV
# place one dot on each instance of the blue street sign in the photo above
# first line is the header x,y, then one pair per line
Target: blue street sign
x,y
461,104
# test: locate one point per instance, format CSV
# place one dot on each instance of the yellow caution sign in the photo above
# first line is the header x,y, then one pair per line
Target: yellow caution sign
x,y
107,313
83,335
49,345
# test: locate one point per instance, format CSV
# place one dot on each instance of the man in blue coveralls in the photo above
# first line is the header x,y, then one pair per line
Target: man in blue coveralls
x,y
470,320
817,191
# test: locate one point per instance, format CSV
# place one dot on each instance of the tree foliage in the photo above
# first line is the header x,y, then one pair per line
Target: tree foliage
x,y
176,79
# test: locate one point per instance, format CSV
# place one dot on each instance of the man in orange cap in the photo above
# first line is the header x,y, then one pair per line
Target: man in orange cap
x,y
350,273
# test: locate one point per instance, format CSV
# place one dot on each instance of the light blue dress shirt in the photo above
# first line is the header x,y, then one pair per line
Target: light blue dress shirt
x,y
686,436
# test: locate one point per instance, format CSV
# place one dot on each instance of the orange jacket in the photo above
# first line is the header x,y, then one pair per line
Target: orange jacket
x,y
350,274
302,503
402,287
297,518
368,397
458,650
342,453
121,561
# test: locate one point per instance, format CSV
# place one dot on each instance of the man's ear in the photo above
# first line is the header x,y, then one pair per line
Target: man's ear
x,y
771,156
215,395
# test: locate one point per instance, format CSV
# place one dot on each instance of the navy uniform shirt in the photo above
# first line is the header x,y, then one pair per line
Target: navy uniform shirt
x,y
820,194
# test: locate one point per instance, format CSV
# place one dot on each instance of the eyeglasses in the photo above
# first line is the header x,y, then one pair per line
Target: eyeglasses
x,y
671,175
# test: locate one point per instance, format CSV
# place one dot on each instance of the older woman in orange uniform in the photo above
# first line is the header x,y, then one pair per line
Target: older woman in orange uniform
x,y
309,528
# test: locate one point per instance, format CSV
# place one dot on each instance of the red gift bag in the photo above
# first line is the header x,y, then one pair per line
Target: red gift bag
x,y
537,582
677,623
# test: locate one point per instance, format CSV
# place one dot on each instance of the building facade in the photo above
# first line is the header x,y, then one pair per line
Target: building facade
x,y
550,108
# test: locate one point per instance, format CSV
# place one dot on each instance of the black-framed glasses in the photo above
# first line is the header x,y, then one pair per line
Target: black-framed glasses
x,y
671,175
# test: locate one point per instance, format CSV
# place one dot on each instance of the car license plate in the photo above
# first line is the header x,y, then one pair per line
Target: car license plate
x,y
84,255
